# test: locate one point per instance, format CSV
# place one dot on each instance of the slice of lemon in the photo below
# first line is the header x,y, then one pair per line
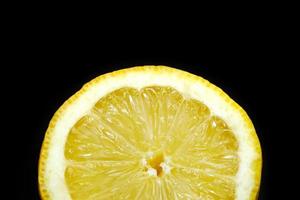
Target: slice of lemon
x,y
150,132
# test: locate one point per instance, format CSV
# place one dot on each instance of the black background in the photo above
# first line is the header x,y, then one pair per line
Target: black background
x,y
47,73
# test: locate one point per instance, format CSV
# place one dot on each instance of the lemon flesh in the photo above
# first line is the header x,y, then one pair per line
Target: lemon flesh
x,y
150,143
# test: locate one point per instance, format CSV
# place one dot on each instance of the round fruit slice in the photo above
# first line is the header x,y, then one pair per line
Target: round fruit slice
x,y
150,132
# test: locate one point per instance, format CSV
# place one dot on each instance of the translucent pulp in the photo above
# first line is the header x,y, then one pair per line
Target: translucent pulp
x,y
151,143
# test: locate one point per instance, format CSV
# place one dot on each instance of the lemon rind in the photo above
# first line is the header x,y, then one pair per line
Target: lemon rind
x,y
256,164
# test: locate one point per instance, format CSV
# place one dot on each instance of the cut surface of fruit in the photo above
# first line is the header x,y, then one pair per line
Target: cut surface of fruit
x,y
150,132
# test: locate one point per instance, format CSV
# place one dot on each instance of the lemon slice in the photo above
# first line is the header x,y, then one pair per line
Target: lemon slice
x,y
151,132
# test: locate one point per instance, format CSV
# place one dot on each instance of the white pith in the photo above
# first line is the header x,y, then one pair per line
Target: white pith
x,y
199,90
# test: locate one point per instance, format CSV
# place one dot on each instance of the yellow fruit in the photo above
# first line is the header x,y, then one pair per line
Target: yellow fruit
x,y
150,132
